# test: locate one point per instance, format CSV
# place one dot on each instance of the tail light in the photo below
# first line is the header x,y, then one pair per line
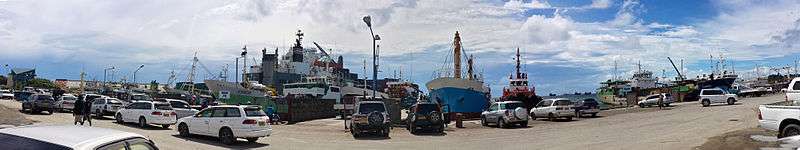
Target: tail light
x,y
155,113
759,115
249,121
173,113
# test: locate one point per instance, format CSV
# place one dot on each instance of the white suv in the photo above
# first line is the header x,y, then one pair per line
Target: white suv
x,y
504,114
147,112
553,108
227,123
105,106
716,95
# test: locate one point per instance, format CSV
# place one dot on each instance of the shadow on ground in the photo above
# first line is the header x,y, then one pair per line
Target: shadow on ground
x,y
238,144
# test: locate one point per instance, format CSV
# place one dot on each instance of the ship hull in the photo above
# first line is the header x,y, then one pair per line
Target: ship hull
x,y
459,95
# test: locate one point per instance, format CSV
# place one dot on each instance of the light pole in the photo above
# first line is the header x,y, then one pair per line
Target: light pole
x,y
134,73
104,75
375,38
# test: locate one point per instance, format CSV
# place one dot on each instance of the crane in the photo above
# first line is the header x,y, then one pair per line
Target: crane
x,y
680,76
324,52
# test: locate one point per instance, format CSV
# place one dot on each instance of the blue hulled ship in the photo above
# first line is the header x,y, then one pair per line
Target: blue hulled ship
x,y
466,95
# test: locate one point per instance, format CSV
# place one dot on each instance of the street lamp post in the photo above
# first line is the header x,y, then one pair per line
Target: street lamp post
x,y
104,75
134,73
375,38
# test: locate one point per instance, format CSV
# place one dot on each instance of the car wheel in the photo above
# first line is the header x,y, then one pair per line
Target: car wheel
x,y
142,122
731,101
569,118
118,117
524,124
533,116
594,115
551,117
252,139
501,123
641,105
789,130
183,130
706,103
354,131
166,126
483,121
226,136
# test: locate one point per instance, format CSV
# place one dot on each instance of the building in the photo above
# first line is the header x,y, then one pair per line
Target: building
x,y
20,75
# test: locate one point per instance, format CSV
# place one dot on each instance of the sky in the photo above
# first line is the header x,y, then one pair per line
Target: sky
x,y
567,45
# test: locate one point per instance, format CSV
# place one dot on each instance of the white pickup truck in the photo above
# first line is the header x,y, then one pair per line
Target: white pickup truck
x,y
784,116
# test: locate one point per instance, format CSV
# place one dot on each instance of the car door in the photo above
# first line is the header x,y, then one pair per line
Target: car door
x,y
491,114
537,111
199,123
216,121
718,96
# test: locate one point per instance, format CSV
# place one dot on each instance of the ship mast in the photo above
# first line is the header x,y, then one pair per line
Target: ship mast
x,y
457,56
469,67
518,66
244,67
191,74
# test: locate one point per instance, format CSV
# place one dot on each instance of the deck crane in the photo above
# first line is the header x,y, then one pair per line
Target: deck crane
x,y
324,52
680,76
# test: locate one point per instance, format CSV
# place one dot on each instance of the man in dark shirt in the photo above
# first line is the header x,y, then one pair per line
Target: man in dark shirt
x,y
77,112
87,111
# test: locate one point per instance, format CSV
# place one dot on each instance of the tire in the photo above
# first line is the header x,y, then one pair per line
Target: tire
x,y
501,123
551,117
706,103
252,139
118,117
789,130
524,124
226,136
731,101
533,116
183,130
641,105
354,131
594,115
142,122
483,121
569,118
166,126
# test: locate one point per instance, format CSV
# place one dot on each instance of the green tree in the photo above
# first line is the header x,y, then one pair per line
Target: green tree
x,y
41,83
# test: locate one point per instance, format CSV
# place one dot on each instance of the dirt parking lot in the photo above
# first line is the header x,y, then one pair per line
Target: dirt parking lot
x,y
683,126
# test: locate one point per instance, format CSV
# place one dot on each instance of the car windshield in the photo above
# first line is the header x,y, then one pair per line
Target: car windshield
x,y
370,107
44,97
163,106
426,108
511,105
114,101
562,103
254,112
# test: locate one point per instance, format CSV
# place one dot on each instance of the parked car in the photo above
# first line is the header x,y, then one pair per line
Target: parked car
x,y
553,108
89,97
38,103
66,102
425,116
370,116
505,114
22,95
182,108
73,137
716,95
793,91
227,123
6,94
653,100
140,97
782,116
105,106
147,112
587,106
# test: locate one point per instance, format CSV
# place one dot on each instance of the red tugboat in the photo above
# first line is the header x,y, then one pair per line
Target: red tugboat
x,y
519,88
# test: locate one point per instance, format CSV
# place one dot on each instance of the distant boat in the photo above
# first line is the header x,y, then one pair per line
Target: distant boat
x,y
519,88
468,96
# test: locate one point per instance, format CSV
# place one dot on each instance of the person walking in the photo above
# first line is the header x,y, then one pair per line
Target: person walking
x,y
77,111
661,102
87,111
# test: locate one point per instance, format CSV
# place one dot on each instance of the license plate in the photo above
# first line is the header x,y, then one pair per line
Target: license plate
x,y
262,123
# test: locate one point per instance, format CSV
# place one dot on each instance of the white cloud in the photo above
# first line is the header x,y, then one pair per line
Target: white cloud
x,y
519,4
539,29
682,31
600,4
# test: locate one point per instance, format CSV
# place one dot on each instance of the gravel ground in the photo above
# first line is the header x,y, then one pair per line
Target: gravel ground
x,y
684,126
10,117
